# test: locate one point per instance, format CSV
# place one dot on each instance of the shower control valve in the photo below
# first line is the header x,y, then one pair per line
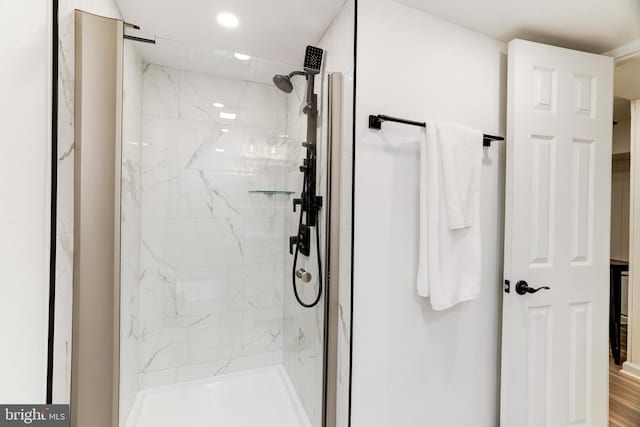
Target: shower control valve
x,y
296,202
303,275
293,240
302,241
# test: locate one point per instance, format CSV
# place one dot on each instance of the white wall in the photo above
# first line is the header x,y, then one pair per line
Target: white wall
x,y
620,192
25,198
413,366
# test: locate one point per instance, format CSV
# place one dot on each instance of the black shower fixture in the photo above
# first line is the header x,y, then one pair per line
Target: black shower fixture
x,y
309,202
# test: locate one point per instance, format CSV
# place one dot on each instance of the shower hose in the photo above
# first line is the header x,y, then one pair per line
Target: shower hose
x,y
295,262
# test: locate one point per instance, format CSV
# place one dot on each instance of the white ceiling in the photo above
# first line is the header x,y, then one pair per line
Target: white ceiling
x,y
274,30
591,25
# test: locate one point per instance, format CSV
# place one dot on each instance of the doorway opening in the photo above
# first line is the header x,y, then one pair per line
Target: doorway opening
x,y
624,381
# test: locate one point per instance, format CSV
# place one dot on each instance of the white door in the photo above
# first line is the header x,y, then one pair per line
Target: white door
x,y
555,341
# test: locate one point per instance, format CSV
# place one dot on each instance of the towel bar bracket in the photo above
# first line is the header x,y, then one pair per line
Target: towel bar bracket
x,y
507,287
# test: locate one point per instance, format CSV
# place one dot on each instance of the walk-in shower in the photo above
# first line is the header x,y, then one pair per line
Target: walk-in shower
x,y
310,203
212,155
232,215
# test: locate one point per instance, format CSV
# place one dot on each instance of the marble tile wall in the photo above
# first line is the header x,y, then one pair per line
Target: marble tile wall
x,y
211,251
131,210
304,328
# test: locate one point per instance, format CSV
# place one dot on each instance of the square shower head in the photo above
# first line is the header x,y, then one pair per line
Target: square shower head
x,y
313,59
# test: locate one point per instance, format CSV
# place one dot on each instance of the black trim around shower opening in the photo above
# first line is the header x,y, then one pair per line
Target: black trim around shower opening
x,y
54,200
353,198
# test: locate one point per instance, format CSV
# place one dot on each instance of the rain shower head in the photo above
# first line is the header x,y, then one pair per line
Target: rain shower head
x,y
283,83
312,66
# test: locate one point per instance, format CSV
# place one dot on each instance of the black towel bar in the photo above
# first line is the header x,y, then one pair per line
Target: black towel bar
x,y
375,122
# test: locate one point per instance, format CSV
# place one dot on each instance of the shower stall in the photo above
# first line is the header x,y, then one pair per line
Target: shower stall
x,y
224,215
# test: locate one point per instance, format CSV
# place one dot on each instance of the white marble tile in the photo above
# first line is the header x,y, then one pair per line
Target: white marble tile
x,y
209,344
163,344
161,86
157,378
262,330
157,289
160,141
256,105
63,318
258,285
200,91
159,193
202,291
211,254
227,366
211,194
263,237
65,163
131,181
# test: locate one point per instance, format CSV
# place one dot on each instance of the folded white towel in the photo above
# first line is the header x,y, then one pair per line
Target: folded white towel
x,y
449,264
461,163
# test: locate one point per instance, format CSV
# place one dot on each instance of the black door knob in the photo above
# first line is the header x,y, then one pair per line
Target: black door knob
x,y
523,288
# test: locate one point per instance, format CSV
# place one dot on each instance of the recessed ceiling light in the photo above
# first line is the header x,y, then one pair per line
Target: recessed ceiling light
x,y
220,150
228,116
242,56
228,20
224,130
218,105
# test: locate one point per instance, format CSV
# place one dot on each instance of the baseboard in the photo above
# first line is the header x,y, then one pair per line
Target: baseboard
x,y
631,369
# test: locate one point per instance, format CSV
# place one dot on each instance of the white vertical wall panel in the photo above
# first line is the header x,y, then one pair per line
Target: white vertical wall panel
x,y
25,112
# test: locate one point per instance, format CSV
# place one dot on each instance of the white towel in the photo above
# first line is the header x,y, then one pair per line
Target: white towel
x,y
461,164
449,264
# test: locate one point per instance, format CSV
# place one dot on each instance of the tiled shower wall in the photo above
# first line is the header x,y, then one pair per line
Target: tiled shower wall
x,y
130,228
211,254
303,327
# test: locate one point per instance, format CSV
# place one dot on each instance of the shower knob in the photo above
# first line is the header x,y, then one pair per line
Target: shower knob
x,y
303,275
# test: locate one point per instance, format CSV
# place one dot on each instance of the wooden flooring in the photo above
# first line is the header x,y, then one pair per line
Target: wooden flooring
x,y
624,392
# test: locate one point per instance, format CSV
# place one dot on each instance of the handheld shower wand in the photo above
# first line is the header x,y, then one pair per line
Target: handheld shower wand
x,y
310,203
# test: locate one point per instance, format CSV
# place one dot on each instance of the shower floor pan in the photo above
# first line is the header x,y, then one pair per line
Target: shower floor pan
x,y
262,397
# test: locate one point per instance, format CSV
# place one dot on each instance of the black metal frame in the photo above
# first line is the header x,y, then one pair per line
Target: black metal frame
x,y
54,203
375,122
139,39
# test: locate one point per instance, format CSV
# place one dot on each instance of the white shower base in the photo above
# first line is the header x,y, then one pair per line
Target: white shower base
x,y
262,397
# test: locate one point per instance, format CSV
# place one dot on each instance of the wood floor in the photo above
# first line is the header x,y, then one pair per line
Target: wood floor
x,y
624,393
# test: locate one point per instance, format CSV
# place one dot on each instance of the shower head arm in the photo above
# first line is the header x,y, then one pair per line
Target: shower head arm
x,y
309,107
297,73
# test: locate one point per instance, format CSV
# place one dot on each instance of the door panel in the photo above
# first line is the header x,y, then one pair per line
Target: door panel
x,y
555,364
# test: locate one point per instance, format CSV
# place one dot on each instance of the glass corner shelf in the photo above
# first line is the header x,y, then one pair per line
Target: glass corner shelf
x,y
271,192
